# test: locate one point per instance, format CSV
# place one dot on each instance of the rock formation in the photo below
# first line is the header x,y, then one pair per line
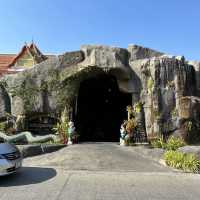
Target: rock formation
x,y
167,86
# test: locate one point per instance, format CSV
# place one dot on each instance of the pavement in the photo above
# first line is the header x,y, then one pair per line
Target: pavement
x,y
97,171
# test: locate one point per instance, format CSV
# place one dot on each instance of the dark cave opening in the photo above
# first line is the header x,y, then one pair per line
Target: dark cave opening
x,y
101,108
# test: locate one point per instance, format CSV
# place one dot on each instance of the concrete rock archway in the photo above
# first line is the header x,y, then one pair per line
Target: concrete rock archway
x,y
101,108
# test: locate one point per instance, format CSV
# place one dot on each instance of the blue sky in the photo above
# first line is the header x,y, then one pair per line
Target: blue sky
x,y
171,26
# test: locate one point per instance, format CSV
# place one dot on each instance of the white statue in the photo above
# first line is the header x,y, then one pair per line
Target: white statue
x,y
71,130
123,134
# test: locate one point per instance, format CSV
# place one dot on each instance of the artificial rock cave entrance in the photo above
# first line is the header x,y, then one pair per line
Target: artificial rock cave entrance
x,y
101,108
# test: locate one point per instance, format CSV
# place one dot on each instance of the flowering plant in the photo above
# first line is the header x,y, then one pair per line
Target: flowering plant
x,y
131,124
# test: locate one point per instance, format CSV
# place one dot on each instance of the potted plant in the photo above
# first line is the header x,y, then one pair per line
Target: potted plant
x,y
130,126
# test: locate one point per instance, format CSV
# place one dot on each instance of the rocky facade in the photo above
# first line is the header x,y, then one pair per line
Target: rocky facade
x,y
167,86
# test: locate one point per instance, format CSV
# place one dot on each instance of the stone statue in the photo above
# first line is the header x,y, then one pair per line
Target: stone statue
x,y
20,123
123,134
71,132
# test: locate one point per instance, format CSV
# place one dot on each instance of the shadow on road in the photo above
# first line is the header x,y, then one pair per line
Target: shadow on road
x,y
27,176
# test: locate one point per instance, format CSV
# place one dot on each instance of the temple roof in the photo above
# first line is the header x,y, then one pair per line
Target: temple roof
x,y
9,60
5,59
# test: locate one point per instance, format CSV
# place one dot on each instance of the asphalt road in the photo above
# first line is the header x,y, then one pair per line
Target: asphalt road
x,y
97,171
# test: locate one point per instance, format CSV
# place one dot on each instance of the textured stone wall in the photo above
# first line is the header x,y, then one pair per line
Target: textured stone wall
x,y
196,66
157,80
164,81
5,106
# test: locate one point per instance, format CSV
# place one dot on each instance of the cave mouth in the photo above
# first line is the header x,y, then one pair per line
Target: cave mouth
x,y
101,108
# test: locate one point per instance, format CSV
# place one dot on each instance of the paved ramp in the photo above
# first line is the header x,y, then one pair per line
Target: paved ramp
x,y
98,157
97,171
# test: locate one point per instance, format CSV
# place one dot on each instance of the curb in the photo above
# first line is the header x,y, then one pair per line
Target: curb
x,y
38,149
158,159
162,162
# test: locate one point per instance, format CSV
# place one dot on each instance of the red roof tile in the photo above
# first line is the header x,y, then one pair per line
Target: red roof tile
x,y
8,60
5,59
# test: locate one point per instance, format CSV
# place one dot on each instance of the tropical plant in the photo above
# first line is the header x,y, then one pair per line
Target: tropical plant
x,y
158,143
174,159
61,127
173,143
131,124
185,161
191,163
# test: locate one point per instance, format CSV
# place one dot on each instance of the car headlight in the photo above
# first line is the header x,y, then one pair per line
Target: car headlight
x,y
1,157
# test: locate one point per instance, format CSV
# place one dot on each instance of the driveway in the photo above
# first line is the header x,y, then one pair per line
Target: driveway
x,y
97,171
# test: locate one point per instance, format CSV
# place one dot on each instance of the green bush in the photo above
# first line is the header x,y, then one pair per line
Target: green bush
x,y
187,162
191,162
174,158
158,143
173,143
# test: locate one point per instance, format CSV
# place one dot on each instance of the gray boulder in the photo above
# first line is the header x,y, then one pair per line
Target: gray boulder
x,y
191,149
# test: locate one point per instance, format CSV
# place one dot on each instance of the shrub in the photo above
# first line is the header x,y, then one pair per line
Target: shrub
x,y
174,158
187,162
191,162
158,143
173,143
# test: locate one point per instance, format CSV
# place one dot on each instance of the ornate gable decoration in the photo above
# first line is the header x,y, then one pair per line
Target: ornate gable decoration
x,y
29,56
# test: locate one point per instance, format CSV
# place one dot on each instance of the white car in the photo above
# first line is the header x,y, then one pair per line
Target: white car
x,y
10,158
